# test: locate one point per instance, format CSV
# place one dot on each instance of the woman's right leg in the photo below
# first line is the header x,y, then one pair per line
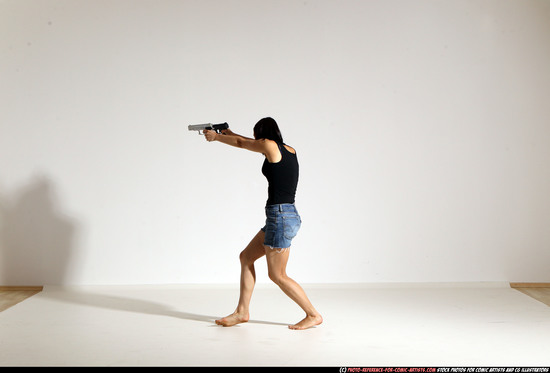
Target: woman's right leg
x,y
248,256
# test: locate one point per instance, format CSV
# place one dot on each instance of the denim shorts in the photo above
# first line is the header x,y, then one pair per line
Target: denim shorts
x,y
281,225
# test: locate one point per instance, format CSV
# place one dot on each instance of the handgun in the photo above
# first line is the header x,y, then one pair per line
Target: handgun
x,y
208,126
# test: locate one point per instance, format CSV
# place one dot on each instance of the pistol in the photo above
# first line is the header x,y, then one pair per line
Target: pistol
x,y
209,126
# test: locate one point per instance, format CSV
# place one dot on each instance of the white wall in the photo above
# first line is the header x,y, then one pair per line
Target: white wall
x,y
422,129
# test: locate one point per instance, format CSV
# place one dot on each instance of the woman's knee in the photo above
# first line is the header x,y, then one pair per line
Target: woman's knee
x,y
277,277
245,258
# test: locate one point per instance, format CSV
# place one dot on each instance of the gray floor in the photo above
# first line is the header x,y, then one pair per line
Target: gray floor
x,y
365,325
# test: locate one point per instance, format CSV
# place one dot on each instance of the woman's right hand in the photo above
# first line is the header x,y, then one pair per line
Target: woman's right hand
x,y
210,135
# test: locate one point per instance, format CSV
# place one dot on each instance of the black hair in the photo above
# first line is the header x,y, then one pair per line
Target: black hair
x,y
267,128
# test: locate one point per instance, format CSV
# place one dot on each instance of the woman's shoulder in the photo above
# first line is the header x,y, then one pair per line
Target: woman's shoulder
x,y
289,148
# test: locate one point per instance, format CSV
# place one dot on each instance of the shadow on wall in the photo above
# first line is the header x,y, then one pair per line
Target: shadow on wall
x,y
36,238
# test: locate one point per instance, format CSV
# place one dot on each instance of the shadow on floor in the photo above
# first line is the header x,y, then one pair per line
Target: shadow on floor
x,y
119,303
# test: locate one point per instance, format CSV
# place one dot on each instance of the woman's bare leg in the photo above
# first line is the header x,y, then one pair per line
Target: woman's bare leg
x,y
276,264
248,256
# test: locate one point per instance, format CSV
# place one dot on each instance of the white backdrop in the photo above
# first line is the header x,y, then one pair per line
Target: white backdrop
x,y
422,129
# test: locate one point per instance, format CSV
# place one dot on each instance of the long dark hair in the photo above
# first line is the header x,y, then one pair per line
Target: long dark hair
x,y
267,128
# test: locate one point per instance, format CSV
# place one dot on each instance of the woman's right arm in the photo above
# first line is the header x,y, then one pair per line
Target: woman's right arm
x,y
267,147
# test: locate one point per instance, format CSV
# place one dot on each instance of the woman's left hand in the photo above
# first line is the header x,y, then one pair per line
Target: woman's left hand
x,y
210,135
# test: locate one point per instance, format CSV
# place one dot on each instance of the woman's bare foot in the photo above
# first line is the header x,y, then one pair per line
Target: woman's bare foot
x,y
307,322
233,319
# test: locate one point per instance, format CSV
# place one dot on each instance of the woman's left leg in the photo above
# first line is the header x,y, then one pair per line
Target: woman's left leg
x,y
248,256
276,265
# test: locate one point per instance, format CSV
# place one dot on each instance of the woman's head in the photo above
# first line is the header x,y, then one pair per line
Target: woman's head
x,y
267,128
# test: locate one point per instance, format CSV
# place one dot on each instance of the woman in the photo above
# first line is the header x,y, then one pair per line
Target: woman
x,y
273,240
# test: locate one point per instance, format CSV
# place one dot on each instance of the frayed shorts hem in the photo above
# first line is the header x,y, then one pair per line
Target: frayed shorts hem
x,y
278,249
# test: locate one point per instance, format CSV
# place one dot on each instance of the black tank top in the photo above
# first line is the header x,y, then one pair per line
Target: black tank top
x,y
282,177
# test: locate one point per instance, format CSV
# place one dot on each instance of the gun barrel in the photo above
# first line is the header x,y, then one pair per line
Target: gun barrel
x,y
199,127
208,126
